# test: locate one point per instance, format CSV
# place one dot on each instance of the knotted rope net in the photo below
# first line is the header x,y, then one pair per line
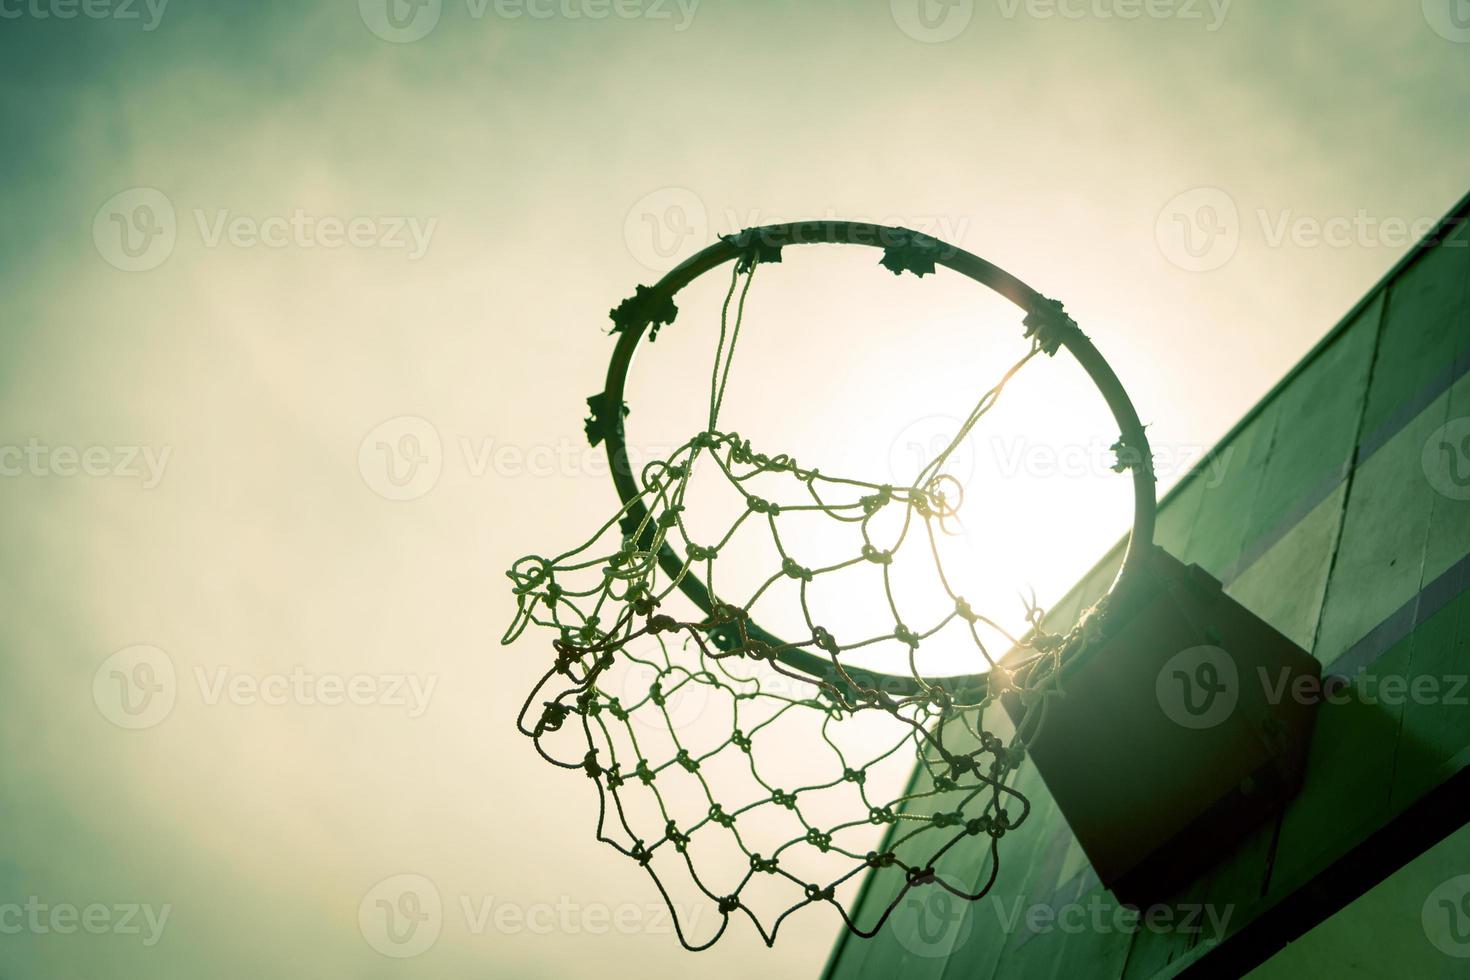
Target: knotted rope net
x,y
740,782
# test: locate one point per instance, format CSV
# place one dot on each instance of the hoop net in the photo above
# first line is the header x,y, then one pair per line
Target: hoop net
x,y
740,782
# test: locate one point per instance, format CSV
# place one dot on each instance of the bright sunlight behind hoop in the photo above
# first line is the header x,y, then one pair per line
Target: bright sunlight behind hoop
x,y
855,371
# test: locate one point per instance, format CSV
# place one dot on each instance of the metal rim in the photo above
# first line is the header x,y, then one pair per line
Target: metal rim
x,y
1031,302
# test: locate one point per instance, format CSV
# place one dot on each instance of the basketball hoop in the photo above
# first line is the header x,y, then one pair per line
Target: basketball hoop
x,y
614,593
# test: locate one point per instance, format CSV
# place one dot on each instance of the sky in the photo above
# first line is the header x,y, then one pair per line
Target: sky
x,y
300,306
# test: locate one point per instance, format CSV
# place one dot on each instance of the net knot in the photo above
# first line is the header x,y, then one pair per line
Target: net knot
x,y
938,501
760,505
662,624
679,840
552,716
756,650
816,894
767,865
877,556
791,569
906,636
874,502
920,876
527,580
962,609
729,904
824,640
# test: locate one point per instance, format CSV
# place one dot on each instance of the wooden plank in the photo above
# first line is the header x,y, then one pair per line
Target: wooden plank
x,y
1218,535
1177,512
1380,560
1445,467
1385,922
1023,860
1313,441
1434,740
1436,726
1286,586
1098,949
1423,330
1346,794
